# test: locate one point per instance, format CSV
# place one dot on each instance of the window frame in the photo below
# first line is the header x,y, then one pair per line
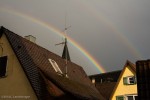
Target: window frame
x,y
125,97
133,95
55,66
127,81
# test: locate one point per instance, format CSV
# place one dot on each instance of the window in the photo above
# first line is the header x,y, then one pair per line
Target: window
x,y
3,64
93,80
131,97
136,97
55,66
130,80
127,97
119,97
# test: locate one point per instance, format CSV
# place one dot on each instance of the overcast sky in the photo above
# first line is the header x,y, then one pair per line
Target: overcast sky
x,y
112,31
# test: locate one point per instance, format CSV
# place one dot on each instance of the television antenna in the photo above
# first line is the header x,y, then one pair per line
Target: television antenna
x,y
65,54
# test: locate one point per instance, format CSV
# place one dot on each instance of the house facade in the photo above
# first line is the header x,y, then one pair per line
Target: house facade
x,y
14,84
126,87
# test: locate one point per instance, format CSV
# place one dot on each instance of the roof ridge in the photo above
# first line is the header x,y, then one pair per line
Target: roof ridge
x,y
132,66
105,73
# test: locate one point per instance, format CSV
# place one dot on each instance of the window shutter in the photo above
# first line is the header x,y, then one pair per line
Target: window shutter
x,y
135,80
119,98
125,80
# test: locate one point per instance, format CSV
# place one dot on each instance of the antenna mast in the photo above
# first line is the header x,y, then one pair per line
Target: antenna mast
x,y
66,49
65,54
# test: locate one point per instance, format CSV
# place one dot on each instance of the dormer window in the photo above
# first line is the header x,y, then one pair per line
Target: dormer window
x,y
3,64
130,80
55,66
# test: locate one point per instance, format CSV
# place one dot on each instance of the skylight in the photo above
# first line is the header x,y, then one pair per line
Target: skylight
x,y
55,66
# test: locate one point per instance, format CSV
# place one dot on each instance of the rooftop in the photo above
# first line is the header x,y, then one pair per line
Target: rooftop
x,y
34,61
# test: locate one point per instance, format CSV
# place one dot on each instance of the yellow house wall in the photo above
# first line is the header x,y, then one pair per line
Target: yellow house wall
x,y
15,84
125,89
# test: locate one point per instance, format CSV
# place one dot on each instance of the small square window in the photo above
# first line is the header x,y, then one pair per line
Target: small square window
x,y
3,64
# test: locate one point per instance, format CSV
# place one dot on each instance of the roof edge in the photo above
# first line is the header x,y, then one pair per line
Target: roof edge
x,y
131,65
76,95
105,73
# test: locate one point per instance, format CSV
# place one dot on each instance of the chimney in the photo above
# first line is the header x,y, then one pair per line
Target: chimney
x,y
30,38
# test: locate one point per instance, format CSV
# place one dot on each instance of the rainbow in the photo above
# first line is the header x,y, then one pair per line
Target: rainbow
x,y
53,29
93,11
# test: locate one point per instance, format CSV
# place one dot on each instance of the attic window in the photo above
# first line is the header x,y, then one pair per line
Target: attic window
x,y
3,64
55,66
130,80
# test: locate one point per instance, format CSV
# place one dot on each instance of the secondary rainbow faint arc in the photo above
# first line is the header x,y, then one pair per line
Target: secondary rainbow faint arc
x,y
91,9
53,29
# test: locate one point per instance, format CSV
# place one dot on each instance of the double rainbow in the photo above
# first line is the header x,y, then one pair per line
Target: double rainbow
x,y
53,29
